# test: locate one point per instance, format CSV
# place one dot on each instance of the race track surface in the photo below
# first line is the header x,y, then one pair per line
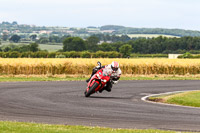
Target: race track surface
x,y
63,102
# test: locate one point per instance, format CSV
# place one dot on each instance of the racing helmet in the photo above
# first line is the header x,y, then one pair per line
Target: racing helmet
x,y
114,65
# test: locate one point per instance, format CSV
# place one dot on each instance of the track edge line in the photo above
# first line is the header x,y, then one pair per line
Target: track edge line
x,y
175,105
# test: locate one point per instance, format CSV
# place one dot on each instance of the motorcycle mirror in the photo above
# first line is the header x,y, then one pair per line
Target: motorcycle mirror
x,y
99,63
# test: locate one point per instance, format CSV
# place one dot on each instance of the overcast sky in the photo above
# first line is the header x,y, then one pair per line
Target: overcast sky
x,y
182,14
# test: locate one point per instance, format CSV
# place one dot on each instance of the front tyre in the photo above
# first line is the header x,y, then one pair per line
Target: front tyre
x,y
91,90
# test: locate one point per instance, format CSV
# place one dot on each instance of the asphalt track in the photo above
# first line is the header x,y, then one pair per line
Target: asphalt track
x,y
63,102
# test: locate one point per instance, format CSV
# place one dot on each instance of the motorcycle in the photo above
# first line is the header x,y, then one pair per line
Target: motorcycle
x,y
97,82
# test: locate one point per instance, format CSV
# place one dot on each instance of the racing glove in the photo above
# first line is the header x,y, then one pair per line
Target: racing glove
x,y
115,82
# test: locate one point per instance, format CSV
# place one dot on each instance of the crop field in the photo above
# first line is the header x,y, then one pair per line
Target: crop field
x,y
84,66
150,35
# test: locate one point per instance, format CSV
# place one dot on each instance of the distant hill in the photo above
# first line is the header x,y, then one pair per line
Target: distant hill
x,y
24,30
129,30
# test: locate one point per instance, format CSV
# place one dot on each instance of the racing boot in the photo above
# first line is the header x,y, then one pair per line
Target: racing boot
x,y
108,89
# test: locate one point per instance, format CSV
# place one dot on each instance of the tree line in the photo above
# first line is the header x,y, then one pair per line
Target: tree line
x,y
56,39
75,54
42,40
24,28
142,45
32,47
129,30
159,45
71,54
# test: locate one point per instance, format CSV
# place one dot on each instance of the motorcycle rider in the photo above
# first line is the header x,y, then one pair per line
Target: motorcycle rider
x,y
111,70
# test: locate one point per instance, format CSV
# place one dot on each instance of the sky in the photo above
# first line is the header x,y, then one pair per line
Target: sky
x,y
181,14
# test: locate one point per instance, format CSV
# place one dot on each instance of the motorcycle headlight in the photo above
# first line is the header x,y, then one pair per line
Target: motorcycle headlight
x,y
103,80
98,76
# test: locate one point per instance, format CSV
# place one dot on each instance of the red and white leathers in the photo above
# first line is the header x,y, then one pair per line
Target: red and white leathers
x,y
115,75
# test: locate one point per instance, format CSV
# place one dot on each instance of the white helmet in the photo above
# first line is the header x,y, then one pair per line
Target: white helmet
x,y
115,66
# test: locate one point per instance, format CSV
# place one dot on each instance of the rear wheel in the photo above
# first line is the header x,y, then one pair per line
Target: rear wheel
x,y
91,90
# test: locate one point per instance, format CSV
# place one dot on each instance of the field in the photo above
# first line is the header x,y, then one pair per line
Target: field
x,y
4,43
149,35
50,48
29,66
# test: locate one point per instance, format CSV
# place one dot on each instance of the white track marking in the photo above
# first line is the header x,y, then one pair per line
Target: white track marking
x,y
167,93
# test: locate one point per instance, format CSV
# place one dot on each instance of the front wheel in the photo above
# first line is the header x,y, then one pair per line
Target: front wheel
x,y
91,90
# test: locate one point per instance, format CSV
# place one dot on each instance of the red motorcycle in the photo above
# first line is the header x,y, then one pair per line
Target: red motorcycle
x,y
97,82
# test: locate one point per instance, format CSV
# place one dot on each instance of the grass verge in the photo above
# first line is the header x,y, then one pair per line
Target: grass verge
x,y
191,98
15,78
20,127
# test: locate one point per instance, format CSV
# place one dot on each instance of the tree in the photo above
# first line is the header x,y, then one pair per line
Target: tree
x,y
6,49
64,37
14,23
33,37
106,47
74,44
92,42
117,45
54,39
14,54
34,47
15,38
43,40
126,50
125,38
5,37
23,48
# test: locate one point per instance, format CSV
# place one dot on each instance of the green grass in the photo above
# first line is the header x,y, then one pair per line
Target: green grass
x,y
20,127
15,79
50,48
82,78
187,99
191,98
159,78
